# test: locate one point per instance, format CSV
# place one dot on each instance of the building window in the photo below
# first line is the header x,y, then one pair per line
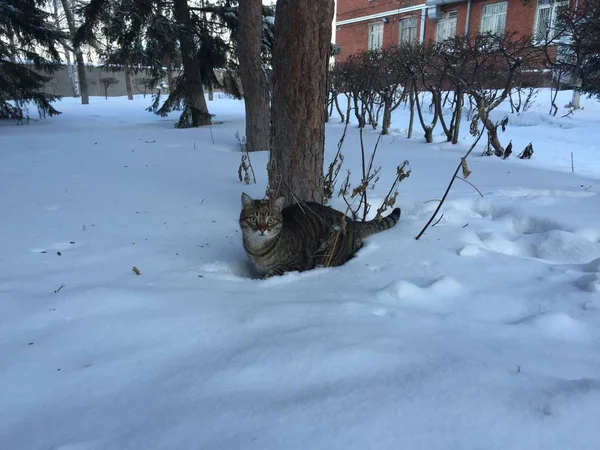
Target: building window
x,y
446,26
408,30
545,17
493,18
375,36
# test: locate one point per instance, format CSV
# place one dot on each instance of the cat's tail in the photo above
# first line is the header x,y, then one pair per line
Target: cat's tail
x,y
375,226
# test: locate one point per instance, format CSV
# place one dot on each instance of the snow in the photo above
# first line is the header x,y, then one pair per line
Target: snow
x,y
484,333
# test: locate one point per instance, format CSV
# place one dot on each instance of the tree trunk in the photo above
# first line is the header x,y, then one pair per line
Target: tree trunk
x,y
491,129
254,79
301,51
348,108
337,106
387,114
576,100
436,95
128,84
170,80
358,112
72,74
411,121
191,65
83,87
428,129
70,71
458,117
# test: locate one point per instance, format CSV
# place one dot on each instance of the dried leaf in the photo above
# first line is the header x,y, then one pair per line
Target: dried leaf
x,y
507,151
465,168
527,153
136,270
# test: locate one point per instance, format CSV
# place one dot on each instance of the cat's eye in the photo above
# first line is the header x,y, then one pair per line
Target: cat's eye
x,y
253,219
270,221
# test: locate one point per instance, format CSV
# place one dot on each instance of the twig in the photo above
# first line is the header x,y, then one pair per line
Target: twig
x,y
341,230
62,285
572,164
474,187
211,135
438,221
450,184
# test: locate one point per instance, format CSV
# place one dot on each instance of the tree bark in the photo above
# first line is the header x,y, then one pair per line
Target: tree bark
x,y
191,65
70,72
170,80
458,117
83,86
411,121
300,55
576,100
128,84
255,85
387,113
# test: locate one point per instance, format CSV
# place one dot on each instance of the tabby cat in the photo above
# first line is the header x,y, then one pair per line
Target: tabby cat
x,y
302,236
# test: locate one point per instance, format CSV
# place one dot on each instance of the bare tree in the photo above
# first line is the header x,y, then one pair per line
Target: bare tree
x,y
493,65
300,63
67,51
254,78
81,75
108,82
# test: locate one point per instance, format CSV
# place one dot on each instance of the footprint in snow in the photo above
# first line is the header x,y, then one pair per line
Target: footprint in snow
x,y
437,296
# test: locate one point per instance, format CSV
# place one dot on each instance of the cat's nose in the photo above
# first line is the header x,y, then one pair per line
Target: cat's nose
x,y
262,227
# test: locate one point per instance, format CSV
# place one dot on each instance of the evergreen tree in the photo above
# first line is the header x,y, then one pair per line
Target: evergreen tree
x,y
575,47
192,37
254,78
298,110
26,37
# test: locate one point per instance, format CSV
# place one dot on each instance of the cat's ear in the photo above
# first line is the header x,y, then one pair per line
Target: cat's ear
x,y
246,200
279,203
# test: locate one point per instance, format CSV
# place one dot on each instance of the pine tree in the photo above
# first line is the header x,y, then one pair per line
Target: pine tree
x,y
298,110
26,37
254,77
575,47
169,31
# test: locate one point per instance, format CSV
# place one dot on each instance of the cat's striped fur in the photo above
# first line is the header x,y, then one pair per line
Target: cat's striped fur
x,y
302,236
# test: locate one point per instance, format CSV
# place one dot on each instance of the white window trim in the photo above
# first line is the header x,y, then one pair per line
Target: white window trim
x,y
553,5
446,20
412,35
495,17
371,44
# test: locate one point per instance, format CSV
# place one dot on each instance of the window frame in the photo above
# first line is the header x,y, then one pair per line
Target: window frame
x,y
411,30
371,39
553,6
494,15
447,19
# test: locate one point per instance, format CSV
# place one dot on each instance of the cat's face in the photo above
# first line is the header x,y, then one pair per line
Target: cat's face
x,y
261,219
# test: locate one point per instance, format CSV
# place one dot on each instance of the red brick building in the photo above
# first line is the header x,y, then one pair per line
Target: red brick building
x,y
371,24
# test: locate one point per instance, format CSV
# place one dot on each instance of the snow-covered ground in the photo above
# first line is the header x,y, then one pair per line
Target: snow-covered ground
x,y
483,334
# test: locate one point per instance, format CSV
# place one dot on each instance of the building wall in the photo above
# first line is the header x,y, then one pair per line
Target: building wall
x,y
350,9
353,38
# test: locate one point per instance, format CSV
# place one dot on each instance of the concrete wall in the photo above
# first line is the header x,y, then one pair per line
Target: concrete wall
x,y
60,84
